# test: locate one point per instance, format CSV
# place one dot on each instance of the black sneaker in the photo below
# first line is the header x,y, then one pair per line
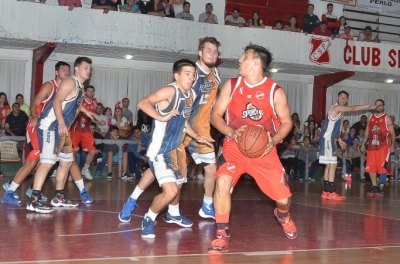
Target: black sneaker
x,y
62,200
36,205
109,176
373,191
379,192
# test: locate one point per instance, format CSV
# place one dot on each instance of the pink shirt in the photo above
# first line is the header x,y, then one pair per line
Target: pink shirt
x,y
343,36
77,3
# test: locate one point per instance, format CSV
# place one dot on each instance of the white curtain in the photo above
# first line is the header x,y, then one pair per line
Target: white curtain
x,y
12,79
359,96
299,98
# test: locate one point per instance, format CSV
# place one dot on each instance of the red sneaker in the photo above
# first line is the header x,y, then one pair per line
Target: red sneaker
x,y
220,244
289,227
335,197
348,178
324,195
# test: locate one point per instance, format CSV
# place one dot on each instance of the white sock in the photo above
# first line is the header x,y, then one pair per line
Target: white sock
x,y
80,185
85,167
152,215
173,210
207,200
136,193
13,186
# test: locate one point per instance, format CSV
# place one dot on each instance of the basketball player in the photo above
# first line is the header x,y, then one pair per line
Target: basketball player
x,y
329,137
80,131
381,142
167,158
206,87
251,99
53,133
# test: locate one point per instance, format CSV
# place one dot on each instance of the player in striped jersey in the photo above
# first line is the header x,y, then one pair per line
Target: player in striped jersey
x,y
329,137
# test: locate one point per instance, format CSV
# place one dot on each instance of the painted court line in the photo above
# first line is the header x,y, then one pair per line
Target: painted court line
x,y
102,233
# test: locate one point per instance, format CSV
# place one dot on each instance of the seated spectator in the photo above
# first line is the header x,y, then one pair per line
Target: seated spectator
x,y
137,154
368,36
362,124
16,122
346,34
396,127
323,31
321,124
354,154
70,3
339,153
24,107
333,23
278,25
208,16
312,133
360,136
108,114
313,162
185,14
5,109
141,6
130,7
292,25
235,19
105,5
101,120
169,8
120,122
309,118
255,21
288,157
126,112
351,136
155,8
144,122
296,129
345,130
343,24
310,21
111,150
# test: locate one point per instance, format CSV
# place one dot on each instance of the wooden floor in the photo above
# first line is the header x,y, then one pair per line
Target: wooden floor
x,y
359,230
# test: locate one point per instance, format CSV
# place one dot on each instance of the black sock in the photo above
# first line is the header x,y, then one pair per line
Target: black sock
x,y
282,215
326,186
61,192
36,193
331,187
224,226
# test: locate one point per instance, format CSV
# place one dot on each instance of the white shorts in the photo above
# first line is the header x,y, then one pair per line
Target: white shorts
x,y
49,143
208,158
327,151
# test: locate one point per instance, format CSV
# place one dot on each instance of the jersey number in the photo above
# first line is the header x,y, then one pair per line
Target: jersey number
x,y
204,99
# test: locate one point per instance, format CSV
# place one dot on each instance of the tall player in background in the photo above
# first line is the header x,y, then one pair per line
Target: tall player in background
x,y
381,142
251,99
53,134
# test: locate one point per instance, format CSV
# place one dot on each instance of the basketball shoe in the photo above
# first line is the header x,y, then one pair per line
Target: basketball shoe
x,y
179,220
148,227
29,194
207,211
9,198
289,227
6,186
62,200
126,212
373,191
221,243
86,197
334,196
36,205
324,195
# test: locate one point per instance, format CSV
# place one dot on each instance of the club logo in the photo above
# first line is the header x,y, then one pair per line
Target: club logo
x,y
252,112
187,111
230,167
376,129
259,95
319,53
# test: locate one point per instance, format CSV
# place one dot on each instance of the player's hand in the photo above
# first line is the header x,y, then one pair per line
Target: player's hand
x,y
270,145
165,118
373,106
62,130
91,115
71,7
33,122
362,148
203,139
106,11
236,133
342,144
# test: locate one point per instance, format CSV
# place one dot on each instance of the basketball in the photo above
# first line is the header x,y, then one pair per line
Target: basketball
x,y
253,141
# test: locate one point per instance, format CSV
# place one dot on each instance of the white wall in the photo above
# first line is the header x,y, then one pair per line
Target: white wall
x,y
320,8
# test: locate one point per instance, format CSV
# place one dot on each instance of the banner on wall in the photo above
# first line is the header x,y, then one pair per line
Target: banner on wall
x,y
343,2
391,7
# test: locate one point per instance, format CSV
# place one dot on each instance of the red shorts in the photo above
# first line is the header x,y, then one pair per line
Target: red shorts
x,y
85,139
378,160
32,142
267,171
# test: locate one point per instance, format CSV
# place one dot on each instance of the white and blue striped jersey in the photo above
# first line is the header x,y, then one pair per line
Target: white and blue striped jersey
x,y
169,135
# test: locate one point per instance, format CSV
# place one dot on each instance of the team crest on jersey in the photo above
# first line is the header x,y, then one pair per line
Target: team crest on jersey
x,y
259,95
187,111
376,129
207,86
252,112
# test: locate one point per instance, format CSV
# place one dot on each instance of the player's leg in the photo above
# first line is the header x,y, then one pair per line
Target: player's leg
x,y
372,168
110,155
174,214
60,198
125,164
77,178
207,208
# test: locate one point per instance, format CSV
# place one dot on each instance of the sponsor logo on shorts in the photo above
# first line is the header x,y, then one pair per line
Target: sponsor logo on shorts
x,y
230,167
252,112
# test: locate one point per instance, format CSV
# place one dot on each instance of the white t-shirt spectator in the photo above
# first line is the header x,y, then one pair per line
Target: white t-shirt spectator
x,y
123,122
103,128
231,19
361,37
203,17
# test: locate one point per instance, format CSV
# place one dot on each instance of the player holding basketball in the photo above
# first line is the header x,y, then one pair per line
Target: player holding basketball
x,y
381,142
53,133
328,140
251,99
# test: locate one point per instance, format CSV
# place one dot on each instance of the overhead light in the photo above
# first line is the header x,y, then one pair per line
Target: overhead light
x,y
388,81
273,70
128,57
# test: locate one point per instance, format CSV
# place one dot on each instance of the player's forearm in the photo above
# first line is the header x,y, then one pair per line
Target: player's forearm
x,y
148,108
219,123
282,132
190,131
33,108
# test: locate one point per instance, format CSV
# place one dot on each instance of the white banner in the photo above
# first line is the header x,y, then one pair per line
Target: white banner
x,y
392,7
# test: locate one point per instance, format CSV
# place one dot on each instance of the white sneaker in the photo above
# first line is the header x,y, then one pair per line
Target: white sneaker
x,y
200,176
87,174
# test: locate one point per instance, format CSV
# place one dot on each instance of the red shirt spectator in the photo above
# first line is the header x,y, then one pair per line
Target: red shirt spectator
x,y
346,34
322,30
75,3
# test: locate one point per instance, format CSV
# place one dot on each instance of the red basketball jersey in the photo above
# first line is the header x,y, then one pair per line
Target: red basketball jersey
x,y
378,132
82,122
253,104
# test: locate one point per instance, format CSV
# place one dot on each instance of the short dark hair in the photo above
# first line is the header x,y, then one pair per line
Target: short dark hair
x,y
343,92
330,4
89,87
100,104
178,65
346,121
380,100
126,99
112,128
368,28
60,64
262,53
347,26
16,104
236,9
79,61
18,95
186,3
323,22
105,110
310,5
137,128
212,40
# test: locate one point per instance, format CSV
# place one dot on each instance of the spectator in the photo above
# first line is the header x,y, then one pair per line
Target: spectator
x,y
339,153
362,124
312,133
313,162
292,25
396,127
323,31
121,122
309,118
278,25
155,8
126,112
235,19
16,122
296,130
354,155
130,7
185,14
24,107
351,136
111,150
70,3
332,21
255,21
345,130
368,36
106,5
343,24
4,109
169,8
289,157
310,21
137,153
347,34
141,6
208,16
144,122
101,120
321,124
108,114
361,135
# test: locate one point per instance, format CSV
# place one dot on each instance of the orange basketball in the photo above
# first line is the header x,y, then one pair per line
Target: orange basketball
x,y
253,141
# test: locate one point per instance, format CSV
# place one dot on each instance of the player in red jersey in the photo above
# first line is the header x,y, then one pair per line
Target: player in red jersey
x,y
381,142
81,134
251,99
